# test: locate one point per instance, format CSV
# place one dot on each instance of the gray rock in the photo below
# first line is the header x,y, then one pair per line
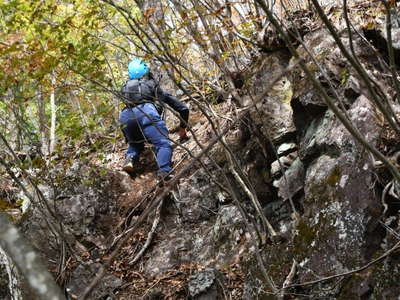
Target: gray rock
x,y
353,88
395,30
274,114
318,138
198,198
200,285
221,239
83,204
340,209
83,275
337,198
285,161
286,148
292,182
328,135
277,210
74,169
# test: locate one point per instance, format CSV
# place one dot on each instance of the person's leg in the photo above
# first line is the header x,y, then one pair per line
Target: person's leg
x,y
157,134
132,133
134,150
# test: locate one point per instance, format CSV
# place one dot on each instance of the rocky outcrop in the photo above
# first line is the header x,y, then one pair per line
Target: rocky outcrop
x,y
308,158
333,182
85,203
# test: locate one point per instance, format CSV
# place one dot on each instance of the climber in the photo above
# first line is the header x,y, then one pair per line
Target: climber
x,y
141,119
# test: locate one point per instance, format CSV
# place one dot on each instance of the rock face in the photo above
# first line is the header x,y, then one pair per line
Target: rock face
x,y
273,114
333,183
85,203
82,276
205,232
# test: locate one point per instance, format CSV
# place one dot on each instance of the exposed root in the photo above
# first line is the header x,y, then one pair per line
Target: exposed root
x,y
150,235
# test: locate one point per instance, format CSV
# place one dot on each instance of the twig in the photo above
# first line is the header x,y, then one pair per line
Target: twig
x,y
288,279
392,63
253,240
390,230
158,281
255,202
150,235
291,274
383,198
223,288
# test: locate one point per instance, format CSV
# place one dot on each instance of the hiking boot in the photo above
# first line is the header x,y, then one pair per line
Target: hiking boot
x,y
163,176
129,164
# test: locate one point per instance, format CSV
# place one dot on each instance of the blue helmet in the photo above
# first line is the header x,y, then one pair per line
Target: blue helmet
x,y
137,68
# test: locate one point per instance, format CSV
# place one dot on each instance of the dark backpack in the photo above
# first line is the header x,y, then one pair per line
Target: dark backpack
x,y
138,91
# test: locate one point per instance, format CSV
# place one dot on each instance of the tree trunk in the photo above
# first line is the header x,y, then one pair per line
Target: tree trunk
x,y
41,110
28,263
53,115
14,290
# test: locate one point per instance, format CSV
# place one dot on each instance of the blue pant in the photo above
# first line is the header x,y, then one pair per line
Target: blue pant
x,y
142,124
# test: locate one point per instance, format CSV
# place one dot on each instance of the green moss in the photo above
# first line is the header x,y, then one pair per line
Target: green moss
x,y
349,288
334,177
306,234
279,263
344,76
317,191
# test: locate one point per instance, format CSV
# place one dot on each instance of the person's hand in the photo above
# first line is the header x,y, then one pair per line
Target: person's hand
x,y
182,134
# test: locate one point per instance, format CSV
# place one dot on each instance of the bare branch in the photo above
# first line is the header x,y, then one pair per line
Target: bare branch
x,y
150,235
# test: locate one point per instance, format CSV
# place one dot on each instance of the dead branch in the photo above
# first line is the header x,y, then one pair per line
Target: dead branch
x,y
254,200
383,198
390,230
150,235
392,64
288,279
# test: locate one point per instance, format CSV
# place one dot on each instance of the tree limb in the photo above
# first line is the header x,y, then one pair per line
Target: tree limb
x,y
28,262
